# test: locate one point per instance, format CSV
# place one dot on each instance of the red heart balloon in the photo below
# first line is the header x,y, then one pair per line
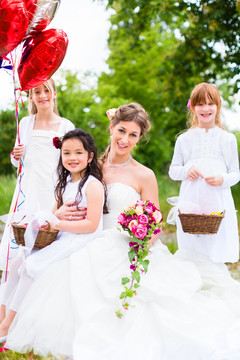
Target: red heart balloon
x,y
44,12
31,6
13,24
42,55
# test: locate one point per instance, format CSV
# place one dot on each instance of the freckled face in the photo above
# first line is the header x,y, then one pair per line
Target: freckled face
x,y
125,135
206,113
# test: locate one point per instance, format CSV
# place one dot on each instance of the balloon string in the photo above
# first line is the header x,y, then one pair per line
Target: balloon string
x,y
21,165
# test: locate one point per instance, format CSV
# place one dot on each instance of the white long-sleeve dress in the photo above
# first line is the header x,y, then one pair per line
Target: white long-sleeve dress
x,y
213,152
183,310
38,179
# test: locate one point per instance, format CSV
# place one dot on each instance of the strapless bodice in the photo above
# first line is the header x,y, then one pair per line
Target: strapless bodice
x,y
118,197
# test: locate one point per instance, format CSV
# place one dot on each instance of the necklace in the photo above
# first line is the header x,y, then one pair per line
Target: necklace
x,y
118,165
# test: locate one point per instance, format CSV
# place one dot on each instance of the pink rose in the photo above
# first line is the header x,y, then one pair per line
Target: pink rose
x,y
122,219
143,219
111,113
140,231
149,209
132,223
140,203
157,216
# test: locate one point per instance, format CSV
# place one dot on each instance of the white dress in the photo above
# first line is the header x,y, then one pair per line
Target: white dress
x,y
181,311
38,180
66,242
213,152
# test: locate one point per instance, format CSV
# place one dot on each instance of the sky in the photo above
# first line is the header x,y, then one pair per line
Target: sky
x,y
86,24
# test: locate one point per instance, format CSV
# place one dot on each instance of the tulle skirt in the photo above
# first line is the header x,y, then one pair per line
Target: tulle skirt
x,y
187,307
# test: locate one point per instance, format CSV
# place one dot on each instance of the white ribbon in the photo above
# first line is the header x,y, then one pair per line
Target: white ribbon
x,y
172,215
206,200
37,221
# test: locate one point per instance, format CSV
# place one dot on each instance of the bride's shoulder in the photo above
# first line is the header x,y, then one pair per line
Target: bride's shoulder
x,y
142,171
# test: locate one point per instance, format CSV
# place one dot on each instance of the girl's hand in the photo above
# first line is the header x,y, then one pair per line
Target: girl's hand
x,y
194,173
215,180
70,212
18,151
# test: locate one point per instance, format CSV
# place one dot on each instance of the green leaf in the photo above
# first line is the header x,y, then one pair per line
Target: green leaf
x,y
136,286
131,255
125,280
145,253
144,264
123,295
129,293
136,276
119,314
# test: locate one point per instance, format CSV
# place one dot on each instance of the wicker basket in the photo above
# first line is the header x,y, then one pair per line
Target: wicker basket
x,y
200,224
44,237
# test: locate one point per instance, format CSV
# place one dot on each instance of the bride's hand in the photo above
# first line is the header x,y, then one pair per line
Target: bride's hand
x,y
70,212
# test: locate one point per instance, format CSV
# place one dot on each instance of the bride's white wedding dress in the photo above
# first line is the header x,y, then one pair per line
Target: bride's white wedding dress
x,y
183,310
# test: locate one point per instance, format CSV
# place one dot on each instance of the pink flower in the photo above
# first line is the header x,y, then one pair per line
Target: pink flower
x,y
143,219
157,215
156,231
149,209
111,113
140,231
123,219
189,104
140,202
139,210
132,223
133,267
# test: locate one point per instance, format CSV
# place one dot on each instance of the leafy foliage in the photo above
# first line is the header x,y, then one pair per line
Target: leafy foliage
x,y
7,139
159,50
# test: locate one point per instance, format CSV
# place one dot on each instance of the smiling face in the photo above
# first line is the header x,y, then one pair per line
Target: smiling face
x,y
206,113
43,97
75,158
125,135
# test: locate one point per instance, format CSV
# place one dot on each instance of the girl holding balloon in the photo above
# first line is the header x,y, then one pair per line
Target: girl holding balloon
x,y
35,186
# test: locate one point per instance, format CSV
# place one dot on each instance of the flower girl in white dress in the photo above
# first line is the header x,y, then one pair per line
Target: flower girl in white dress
x,y
70,308
79,180
38,177
206,161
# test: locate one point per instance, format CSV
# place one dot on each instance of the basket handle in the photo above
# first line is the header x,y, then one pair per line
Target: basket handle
x,y
48,225
47,228
179,211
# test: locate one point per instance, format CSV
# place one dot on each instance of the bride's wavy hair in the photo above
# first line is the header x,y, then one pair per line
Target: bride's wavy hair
x,y
130,112
92,168
200,93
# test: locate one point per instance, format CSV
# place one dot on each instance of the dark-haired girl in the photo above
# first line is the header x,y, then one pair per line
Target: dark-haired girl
x,y
80,180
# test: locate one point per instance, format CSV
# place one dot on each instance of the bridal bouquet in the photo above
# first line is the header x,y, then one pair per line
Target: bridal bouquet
x,y
141,220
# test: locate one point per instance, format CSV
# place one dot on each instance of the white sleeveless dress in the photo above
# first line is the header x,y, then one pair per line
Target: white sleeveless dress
x,y
66,242
38,180
180,312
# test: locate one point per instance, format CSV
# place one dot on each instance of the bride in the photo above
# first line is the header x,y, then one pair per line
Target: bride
x,y
187,307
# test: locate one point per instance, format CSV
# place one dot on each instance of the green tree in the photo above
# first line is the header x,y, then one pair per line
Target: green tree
x,y
81,104
7,140
159,50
